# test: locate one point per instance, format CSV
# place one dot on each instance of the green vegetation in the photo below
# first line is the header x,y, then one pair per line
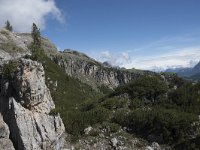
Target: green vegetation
x,y
146,88
54,112
11,47
192,144
110,127
8,69
77,121
167,125
8,26
67,95
105,89
153,109
69,91
156,107
37,51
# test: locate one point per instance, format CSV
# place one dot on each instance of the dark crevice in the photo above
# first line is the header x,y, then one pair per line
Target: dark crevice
x,y
6,109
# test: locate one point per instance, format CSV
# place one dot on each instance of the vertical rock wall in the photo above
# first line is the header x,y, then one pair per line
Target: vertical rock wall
x,y
26,104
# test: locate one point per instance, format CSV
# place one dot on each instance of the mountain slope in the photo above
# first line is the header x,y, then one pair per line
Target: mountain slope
x,y
189,73
102,107
92,72
74,63
155,108
67,91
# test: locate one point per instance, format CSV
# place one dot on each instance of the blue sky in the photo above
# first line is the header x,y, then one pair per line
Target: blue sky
x,y
145,34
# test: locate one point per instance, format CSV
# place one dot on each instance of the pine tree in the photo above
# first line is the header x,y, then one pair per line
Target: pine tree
x,y
36,36
8,26
37,51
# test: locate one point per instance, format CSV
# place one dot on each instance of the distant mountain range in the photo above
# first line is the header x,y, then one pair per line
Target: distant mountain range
x,y
190,73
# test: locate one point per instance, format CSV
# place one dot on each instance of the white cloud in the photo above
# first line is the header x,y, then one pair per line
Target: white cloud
x,y
169,52
106,55
126,56
114,59
186,57
22,13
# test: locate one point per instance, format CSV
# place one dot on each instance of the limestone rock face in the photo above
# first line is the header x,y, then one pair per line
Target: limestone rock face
x,y
28,110
5,142
30,87
92,72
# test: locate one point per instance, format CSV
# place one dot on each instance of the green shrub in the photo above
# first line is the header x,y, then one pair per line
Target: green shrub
x,y
174,125
9,69
192,144
110,127
37,53
87,105
77,121
54,112
150,88
120,117
94,133
136,103
187,97
105,89
10,47
8,26
114,103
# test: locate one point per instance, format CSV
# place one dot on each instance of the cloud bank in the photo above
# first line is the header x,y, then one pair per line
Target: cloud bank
x,y
22,13
168,52
186,57
114,59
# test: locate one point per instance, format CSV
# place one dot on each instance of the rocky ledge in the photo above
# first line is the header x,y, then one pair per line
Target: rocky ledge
x,y
26,105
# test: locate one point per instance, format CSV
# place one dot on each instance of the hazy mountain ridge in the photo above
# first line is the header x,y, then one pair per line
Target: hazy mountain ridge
x,y
190,73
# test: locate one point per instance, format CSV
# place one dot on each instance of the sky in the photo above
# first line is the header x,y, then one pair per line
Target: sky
x,y
142,34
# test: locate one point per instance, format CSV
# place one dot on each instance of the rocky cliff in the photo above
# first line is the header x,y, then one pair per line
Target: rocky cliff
x,y
26,106
92,72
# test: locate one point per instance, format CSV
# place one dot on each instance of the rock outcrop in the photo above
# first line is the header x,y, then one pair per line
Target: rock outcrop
x,y
5,142
94,73
26,105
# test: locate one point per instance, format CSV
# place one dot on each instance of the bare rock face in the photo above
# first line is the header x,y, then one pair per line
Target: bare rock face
x,y
94,73
28,111
5,142
30,86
